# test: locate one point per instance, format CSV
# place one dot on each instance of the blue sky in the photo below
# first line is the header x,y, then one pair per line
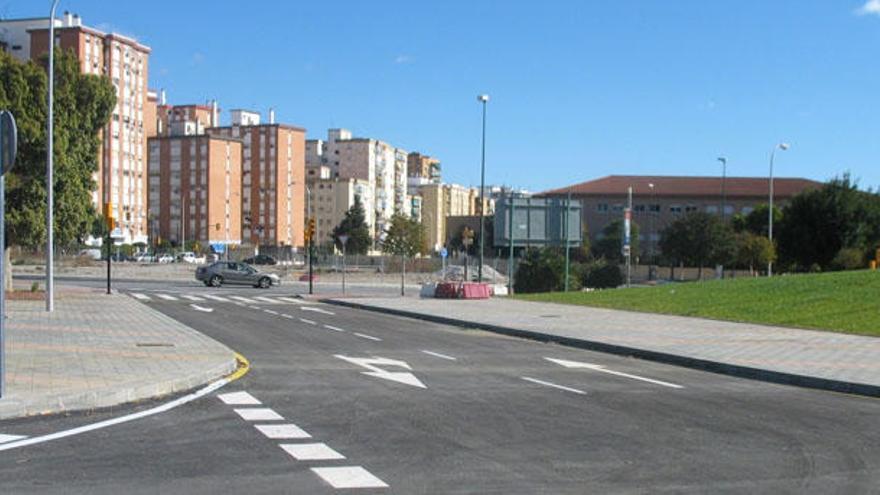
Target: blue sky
x,y
579,89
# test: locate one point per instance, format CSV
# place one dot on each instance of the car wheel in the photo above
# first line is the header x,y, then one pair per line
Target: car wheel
x,y
216,281
264,283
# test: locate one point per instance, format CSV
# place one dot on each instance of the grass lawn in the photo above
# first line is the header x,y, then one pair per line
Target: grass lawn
x,y
843,301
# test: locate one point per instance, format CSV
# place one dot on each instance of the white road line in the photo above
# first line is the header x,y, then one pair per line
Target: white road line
x,y
285,315
192,298
335,329
166,297
199,308
239,399
240,304
291,300
349,477
243,299
560,387
255,307
115,421
142,297
368,337
216,298
603,369
10,438
311,451
271,312
310,322
285,431
266,299
441,356
258,414
317,310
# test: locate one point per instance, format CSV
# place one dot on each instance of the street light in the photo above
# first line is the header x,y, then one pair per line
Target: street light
x,y
783,147
484,98
723,161
50,182
653,229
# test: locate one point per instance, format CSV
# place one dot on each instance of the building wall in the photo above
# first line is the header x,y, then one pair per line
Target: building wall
x,y
331,199
151,113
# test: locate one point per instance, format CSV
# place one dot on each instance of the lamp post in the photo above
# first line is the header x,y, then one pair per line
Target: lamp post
x,y
783,147
483,98
50,181
723,161
653,229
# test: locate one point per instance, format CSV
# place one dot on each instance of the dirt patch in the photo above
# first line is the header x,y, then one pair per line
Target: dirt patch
x,y
25,295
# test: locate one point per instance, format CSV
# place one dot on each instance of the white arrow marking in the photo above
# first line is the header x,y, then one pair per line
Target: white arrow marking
x,y
10,438
598,367
317,310
199,308
373,364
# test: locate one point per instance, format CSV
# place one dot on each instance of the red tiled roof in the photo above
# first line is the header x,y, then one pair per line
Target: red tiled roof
x,y
687,186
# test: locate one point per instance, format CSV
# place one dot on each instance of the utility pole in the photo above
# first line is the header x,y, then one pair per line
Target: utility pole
x,y
50,181
510,245
567,239
627,245
483,99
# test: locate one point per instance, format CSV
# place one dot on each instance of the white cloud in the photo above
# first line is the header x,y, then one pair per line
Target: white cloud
x,y
871,7
403,59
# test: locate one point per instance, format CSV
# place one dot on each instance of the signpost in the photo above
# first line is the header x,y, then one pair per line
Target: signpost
x,y
8,149
467,238
343,239
443,254
111,224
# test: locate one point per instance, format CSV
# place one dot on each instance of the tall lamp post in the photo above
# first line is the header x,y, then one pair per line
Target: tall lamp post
x,y
653,230
50,181
783,147
723,161
484,98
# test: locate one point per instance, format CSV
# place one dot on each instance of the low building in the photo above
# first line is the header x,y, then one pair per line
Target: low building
x,y
331,199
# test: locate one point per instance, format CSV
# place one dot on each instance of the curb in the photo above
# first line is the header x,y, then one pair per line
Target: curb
x,y
719,367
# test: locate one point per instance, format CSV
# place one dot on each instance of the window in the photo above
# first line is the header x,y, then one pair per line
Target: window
x,y
617,207
690,208
639,208
654,208
602,207
712,209
676,209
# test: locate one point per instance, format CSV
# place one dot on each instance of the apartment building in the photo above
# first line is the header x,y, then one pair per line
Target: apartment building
x,y
330,198
273,178
381,165
440,201
122,163
422,166
195,189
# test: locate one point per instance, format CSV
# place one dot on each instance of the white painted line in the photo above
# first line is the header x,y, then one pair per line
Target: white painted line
x,y
216,298
560,387
317,310
286,431
192,298
373,363
335,329
258,414
255,307
243,299
441,356
266,299
271,312
199,308
291,300
240,304
10,438
239,399
349,477
286,316
368,337
310,322
142,297
603,369
115,421
166,297
311,451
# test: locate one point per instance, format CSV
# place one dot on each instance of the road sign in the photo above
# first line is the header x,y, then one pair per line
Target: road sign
x,y
8,141
117,233
343,239
218,247
627,226
444,253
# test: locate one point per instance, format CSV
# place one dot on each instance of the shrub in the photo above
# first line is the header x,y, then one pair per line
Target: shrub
x,y
603,275
849,259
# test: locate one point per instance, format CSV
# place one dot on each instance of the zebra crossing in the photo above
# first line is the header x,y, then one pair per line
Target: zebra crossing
x,y
233,299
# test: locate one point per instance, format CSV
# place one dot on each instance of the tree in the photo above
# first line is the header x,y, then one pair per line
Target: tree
x,y
354,225
698,239
404,237
754,251
83,105
610,246
757,220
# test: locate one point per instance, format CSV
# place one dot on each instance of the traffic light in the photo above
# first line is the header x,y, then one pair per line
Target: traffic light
x,y
310,231
108,216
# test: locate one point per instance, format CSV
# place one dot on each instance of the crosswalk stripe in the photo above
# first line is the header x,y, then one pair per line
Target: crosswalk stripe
x,y
216,298
266,299
193,298
243,299
349,477
167,297
290,300
142,297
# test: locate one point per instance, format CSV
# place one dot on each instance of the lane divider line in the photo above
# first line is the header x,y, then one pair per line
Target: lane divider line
x,y
309,322
368,337
441,356
548,384
335,329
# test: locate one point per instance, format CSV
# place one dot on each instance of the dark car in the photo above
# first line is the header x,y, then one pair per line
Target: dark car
x,y
261,259
233,272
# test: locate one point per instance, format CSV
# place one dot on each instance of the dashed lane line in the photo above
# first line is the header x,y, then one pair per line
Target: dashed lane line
x,y
166,297
349,477
368,337
335,329
308,322
311,451
291,300
548,384
255,307
243,299
285,315
271,312
441,356
192,298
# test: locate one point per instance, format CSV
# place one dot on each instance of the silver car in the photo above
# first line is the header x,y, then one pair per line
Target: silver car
x,y
234,272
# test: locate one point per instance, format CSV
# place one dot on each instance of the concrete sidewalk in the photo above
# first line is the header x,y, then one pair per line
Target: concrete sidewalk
x,y
824,360
98,350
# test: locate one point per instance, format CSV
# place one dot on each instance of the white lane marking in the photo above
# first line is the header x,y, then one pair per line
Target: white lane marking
x,y
115,421
603,369
349,477
199,308
441,356
335,329
216,298
310,322
560,387
285,315
192,298
271,312
255,307
239,399
239,304
142,297
10,438
317,310
166,297
291,300
285,431
373,364
368,337
266,299
243,299
258,414
311,451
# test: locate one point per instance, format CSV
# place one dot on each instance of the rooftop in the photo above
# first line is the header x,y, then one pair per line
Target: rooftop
x,y
687,186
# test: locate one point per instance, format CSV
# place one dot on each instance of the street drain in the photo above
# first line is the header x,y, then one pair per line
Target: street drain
x,y
153,344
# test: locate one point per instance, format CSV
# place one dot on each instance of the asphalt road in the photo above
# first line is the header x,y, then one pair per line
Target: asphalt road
x,y
447,410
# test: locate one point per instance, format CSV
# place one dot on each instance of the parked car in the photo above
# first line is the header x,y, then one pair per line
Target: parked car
x,y
117,257
145,258
261,259
165,258
190,257
94,254
234,272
